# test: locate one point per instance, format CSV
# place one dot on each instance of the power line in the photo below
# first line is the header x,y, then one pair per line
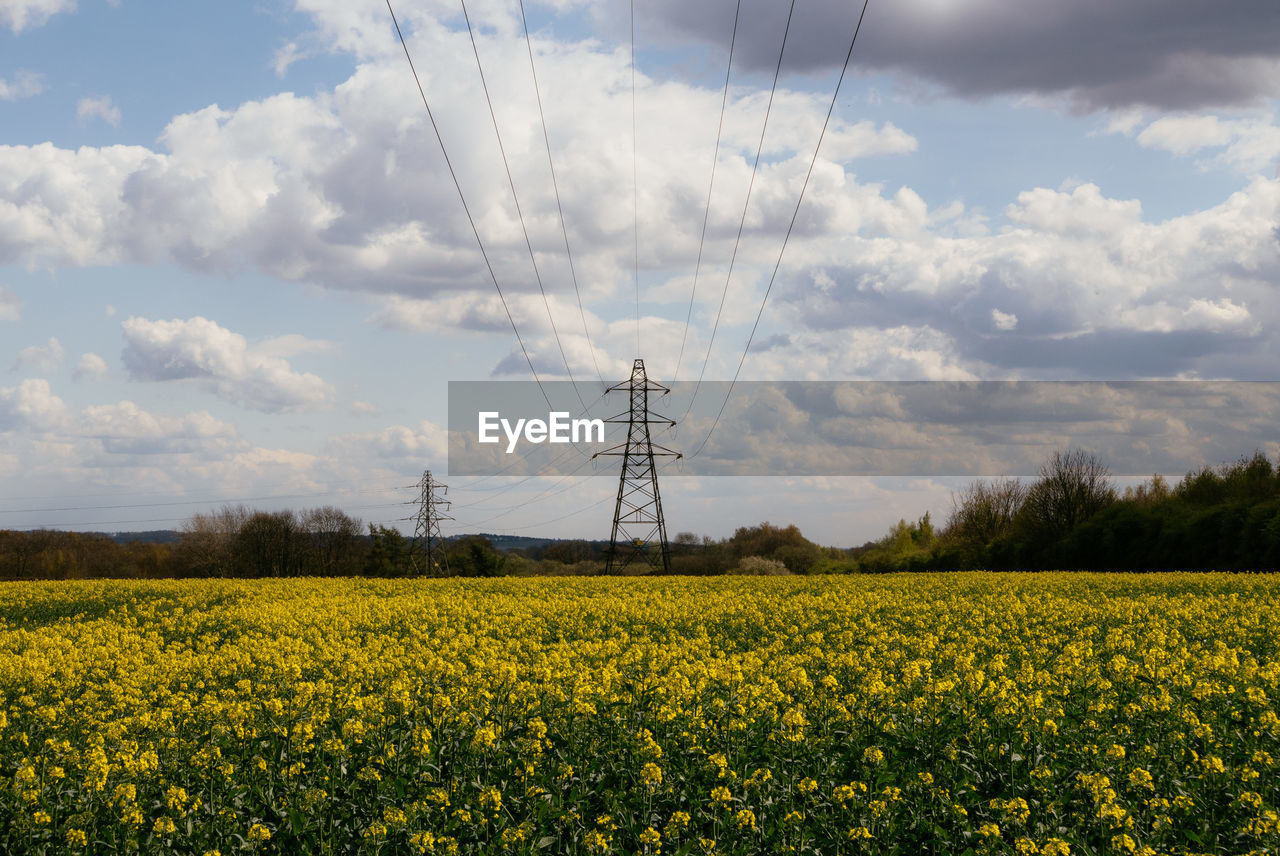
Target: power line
x,y
129,492
542,473
542,523
462,197
63,524
546,138
549,491
502,150
746,203
706,211
117,507
790,226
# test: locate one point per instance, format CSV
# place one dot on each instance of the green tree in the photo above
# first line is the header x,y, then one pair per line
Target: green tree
x,y
388,553
475,556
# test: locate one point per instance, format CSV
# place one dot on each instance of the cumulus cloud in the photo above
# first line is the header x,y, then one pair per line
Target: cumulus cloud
x,y
98,107
63,207
1096,53
485,313
407,446
202,352
31,405
1004,320
91,367
346,189
1096,290
125,428
21,14
46,357
24,85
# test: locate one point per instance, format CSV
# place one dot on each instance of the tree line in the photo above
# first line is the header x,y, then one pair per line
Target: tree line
x,y
1072,516
237,541
1069,516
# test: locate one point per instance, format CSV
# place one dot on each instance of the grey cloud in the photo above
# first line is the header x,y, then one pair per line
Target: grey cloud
x,y
1172,54
200,350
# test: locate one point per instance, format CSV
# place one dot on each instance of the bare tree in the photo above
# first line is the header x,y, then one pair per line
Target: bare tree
x,y
1073,486
267,545
984,511
207,545
333,537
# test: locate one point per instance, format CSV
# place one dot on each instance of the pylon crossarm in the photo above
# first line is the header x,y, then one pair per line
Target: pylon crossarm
x,y
623,419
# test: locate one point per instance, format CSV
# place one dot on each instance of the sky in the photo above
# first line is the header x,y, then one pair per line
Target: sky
x,y
235,267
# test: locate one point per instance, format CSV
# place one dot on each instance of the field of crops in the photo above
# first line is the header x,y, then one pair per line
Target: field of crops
x,y
1033,714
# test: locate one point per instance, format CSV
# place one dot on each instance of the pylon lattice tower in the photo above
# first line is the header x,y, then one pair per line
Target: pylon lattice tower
x,y
639,531
426,551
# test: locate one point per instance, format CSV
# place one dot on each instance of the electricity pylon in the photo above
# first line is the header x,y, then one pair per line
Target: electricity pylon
x,y
639,531
426,551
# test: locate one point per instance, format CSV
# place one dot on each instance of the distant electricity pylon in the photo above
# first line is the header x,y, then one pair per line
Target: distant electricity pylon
x,y
426,551
639,531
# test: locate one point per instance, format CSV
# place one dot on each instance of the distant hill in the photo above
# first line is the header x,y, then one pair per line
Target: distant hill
x,y
151,536
521,542
500,542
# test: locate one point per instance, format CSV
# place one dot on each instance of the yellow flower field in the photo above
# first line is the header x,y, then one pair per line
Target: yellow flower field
x,y
984,713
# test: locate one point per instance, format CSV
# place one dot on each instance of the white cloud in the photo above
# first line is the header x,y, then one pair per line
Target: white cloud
x,y
360,407
898,353
10,305
346,189
1246,144
196,456
25,84
1218,314
91,367
1082,210
30,405
1097,291
425,445
485,313
285,57
125,428
98,107
201,351
1004,320
1185,134
46,357
20,14
63,207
